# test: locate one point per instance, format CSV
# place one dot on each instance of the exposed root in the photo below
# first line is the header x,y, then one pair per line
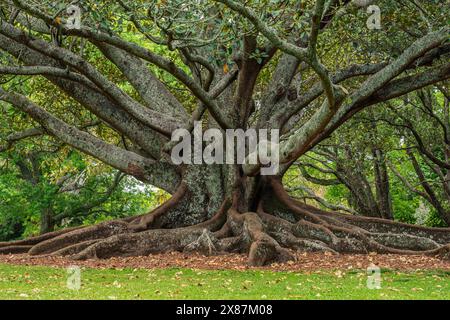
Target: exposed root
x,y
223,232
141,244
379,225
205,244
230,244
441,252
306,229
288,240
346,233
35,240
263,236
405,241
284,197
128,242
74,248
72,241
99,231
262,248
15,249
146,221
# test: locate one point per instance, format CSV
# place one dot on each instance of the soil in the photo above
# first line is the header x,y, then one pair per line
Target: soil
x,y
305,262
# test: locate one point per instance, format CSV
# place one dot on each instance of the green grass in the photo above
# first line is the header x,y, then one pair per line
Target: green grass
x,y
24,282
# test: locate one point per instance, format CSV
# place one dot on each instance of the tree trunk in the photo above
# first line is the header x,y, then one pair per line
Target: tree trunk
x,y
432,197
47,222
382,185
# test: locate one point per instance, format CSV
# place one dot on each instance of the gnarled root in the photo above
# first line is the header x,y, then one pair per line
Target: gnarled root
x,y
264,236
37,239
146,221
15,249
261,247
99,231
346,233
194,238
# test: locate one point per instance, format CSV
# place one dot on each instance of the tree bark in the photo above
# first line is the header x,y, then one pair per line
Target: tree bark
x,y
382,185
47,222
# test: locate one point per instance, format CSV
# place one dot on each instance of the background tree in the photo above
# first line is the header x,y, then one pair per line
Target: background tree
x,y
425,140
34,200
363,174
394,155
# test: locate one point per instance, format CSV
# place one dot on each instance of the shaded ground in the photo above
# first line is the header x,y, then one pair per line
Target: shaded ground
x,y
37,282
305,262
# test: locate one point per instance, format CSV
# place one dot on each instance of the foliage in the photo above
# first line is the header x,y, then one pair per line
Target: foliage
x,y
22,202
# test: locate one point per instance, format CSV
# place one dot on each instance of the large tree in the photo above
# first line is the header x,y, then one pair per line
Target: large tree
x,y
303,67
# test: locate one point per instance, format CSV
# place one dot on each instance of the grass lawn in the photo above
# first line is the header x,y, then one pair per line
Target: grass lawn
x,y
24,282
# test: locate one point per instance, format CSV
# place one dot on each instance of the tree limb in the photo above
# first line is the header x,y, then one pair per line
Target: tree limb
x,y
123,160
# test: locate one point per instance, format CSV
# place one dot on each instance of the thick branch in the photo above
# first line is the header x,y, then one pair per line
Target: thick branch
x,y
154,120
143,53
394,89
93,100
151,90
123,160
